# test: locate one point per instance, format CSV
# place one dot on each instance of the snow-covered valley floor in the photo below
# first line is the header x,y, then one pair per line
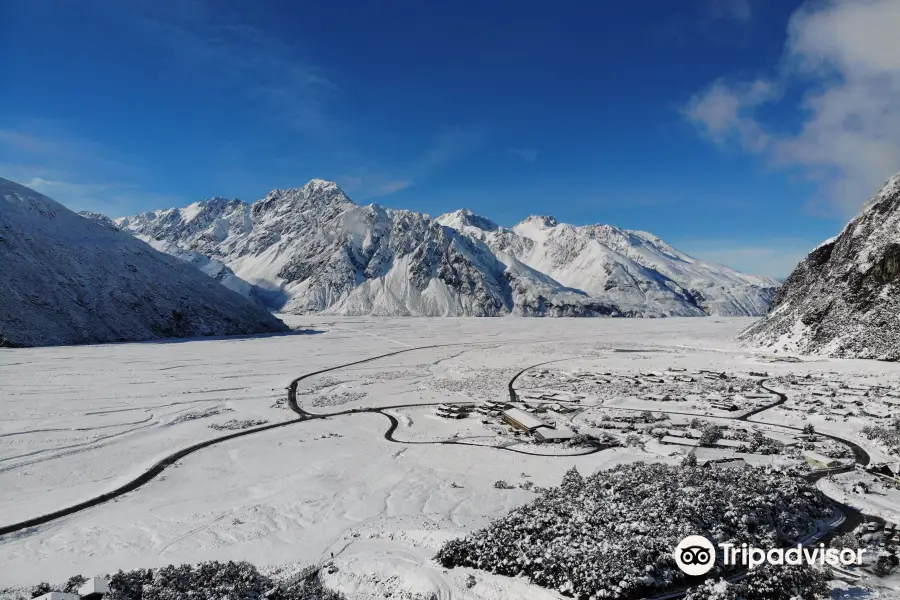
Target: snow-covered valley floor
x,y
79,421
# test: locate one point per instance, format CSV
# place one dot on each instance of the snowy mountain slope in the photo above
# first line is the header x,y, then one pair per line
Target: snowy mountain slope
x,y
312,249
640,266
843,299
70,279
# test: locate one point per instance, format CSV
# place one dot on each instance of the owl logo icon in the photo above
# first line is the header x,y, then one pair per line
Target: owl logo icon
x,y
695,555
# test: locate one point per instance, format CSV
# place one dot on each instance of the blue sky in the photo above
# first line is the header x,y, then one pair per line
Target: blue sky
x,y
743,131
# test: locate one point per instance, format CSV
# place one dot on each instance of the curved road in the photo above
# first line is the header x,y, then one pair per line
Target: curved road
x,y
156,469
171,459
853,517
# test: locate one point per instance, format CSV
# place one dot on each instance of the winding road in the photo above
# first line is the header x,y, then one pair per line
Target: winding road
x,y
861,457
157,469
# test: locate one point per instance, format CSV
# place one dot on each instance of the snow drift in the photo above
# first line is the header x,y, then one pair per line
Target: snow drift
x,y
71,279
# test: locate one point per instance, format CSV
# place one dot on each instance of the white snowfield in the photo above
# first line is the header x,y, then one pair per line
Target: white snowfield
x,y
312,249
80,421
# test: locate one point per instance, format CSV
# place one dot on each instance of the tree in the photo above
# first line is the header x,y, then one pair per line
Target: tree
x,y
710,435
572,481
808,429
40,589
689,460
74,582
633,439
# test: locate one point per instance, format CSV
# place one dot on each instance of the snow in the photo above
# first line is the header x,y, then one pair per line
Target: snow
x,y
312,249
841,300
68,279
82,420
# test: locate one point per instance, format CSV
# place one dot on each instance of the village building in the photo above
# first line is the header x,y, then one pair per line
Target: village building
x,y
550,434
820,460
94,588
519,419
679,441
725,463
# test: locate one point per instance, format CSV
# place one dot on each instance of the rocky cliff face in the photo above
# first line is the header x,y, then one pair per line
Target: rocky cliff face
x,y
312,249
843,300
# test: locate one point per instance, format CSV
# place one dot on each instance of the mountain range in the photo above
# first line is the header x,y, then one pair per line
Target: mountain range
x,y
843,299
71,279
312,249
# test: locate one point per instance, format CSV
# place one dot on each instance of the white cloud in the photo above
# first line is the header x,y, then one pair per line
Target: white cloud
x,y
846,54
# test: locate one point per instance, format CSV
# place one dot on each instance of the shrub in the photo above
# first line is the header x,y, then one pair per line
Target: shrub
x,y
787,582
628,519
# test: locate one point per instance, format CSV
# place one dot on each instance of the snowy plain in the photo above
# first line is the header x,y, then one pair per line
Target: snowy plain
x,y
78,421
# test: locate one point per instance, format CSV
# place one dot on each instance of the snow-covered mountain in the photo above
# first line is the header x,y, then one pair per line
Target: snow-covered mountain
x,y
312,249
843,299
71,279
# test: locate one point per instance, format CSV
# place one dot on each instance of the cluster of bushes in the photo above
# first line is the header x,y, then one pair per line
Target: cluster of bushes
x,y
611,535
784,582
235,424
889,436
211,580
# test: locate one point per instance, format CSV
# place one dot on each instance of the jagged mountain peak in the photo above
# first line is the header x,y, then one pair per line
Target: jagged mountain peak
x,y
540,221
317,194
313,249
463,218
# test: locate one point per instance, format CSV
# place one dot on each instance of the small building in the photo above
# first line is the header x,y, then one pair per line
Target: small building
x,y
94,588
725,463
58,596
891,469
731,444
679,441
522,420
820,460
550,434
724,405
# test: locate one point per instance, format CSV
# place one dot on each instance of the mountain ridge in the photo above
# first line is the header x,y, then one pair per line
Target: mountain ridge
x,y
312,249
76,279
842,300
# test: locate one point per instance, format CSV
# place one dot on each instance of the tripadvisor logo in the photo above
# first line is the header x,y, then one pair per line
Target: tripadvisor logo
x,y
696,555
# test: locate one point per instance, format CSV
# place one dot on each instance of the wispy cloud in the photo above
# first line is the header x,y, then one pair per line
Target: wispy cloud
x,y
218,42
448,147
717,20
773,257
738,10
529,155
74,171
847,55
